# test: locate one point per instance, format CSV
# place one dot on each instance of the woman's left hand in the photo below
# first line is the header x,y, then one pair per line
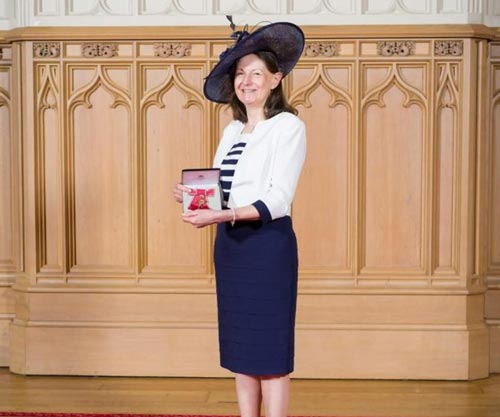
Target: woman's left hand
x,y
205,217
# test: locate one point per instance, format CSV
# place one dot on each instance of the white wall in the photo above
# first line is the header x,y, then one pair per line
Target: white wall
x,y
19,13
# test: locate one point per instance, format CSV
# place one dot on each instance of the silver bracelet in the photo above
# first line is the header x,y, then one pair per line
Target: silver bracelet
x,y
234,216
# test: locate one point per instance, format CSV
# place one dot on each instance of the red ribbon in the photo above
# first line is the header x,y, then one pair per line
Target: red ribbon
x,y
200,198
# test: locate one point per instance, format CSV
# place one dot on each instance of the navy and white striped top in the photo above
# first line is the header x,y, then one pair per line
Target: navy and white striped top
x,y
228,166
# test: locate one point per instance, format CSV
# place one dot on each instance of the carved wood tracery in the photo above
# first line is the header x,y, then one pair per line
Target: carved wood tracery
x,y
396,48
493,254
46,49
415,181
446,175
327,49
449,48
172,49
96,49
151,147
48,172
314,88
8,215
4,97
81,100
319,84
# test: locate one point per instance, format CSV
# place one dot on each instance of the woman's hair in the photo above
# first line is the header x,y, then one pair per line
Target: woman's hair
x,y
275,103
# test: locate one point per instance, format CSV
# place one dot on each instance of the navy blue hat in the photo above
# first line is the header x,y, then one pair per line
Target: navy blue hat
x,y
284,39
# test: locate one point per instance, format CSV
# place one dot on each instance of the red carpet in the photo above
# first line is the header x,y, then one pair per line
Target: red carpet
x,y
32,414
42,414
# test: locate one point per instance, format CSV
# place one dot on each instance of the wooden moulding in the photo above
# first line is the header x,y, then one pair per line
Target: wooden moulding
x,y
221,32
335,353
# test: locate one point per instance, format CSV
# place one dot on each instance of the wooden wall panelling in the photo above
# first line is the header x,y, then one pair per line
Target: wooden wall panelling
x,y
477,274
121,229
174,135
447,140
323,92
49,170
393,123
383,209
482,155
27,102
7,234
473,130
100,169
468,151
9,195
418,144
31,145
492,237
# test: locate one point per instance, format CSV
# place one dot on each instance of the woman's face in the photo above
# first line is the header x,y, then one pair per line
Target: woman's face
x,y
253,82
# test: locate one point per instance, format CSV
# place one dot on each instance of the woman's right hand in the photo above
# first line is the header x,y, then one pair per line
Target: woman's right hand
x,y
178,190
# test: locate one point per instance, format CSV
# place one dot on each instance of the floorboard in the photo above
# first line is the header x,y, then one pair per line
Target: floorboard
x,y
217,397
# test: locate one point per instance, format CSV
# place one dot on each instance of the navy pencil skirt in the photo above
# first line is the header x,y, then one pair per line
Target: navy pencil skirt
x,y
256,278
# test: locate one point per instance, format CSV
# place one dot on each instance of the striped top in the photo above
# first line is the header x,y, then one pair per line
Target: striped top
x,y
228,166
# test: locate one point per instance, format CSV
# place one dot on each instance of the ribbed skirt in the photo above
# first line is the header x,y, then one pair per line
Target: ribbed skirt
x,y
256,278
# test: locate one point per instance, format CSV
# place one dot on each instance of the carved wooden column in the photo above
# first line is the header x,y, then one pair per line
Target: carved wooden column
x,y
492,206
10,243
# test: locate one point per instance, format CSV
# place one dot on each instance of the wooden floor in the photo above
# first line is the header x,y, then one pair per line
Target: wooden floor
x,y
216,396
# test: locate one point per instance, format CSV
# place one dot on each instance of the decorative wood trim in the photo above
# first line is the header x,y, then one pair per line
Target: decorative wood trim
x,y
8,105
97,50
482,155
46,50
46,82
5,96
492,259
449,47
192,284
447,96
213,325
326,49
172,49
221,32
6,53
396,48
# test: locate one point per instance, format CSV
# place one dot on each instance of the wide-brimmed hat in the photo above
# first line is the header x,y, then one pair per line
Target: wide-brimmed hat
x,y
284,39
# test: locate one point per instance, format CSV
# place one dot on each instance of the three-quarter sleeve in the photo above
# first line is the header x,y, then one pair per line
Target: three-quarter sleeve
x,y
288,159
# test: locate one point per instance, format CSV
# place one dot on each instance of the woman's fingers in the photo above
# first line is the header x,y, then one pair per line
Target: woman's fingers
x,y
182,188
178,190
193,219
200,218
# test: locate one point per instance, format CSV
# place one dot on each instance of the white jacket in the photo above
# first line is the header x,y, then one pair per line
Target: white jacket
x,y
269,168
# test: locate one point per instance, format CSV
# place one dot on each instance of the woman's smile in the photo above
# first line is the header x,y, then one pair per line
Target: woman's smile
x,y
253,82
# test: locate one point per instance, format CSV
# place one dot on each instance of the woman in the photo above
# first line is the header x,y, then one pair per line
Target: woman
x,y
261,154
